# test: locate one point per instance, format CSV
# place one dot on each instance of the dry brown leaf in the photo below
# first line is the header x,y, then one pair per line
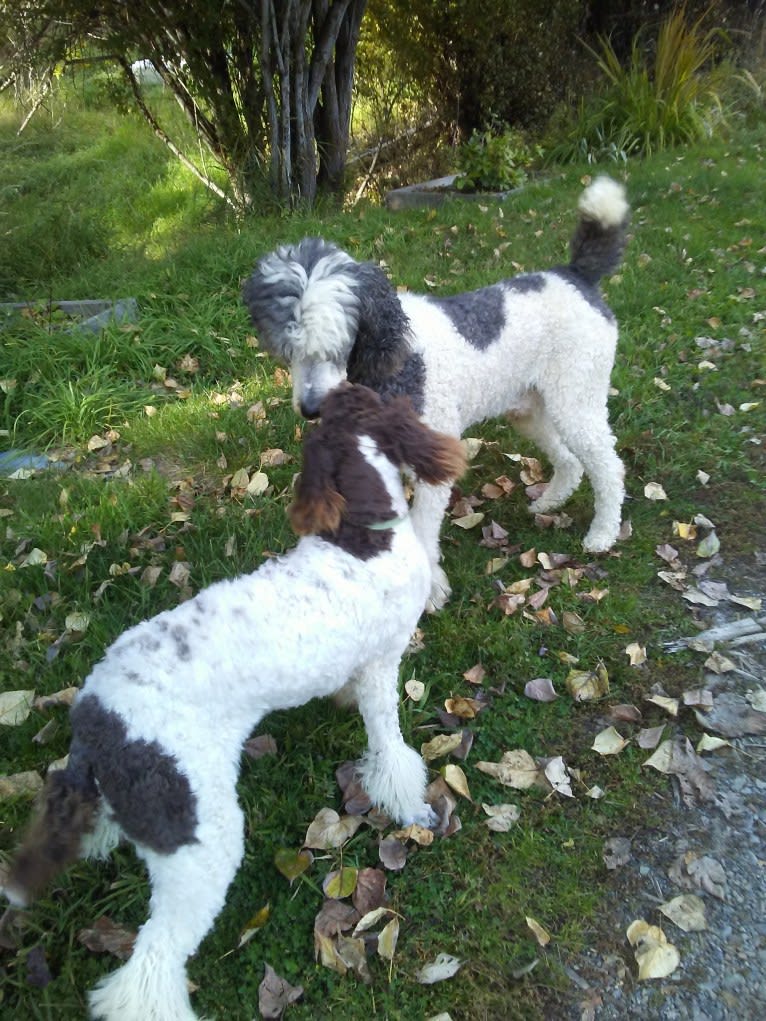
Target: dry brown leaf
x,y
649,737
557,775
501,817
670,705
329,830
18,785
699,872
636,653
275,994
586,685
476,674
260,746
370,890
106,937
540,689
516,769
440,745
677,757
687,911
625,713
732,715
392,853
15,706
335,917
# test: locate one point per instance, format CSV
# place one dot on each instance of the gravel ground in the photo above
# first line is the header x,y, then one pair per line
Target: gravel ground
x,y
722,974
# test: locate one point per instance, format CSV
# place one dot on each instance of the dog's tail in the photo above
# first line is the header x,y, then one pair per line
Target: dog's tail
x,y
65,814
599,240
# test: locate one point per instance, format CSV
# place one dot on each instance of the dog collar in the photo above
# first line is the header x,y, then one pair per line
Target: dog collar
x,y
382,526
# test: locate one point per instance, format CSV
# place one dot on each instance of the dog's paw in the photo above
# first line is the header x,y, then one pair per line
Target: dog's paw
x,y
426,817
598,542
440,590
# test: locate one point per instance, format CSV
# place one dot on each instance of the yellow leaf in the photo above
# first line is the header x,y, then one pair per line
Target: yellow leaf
x,y
456,778
15,706
586,685
654,491
387,938
440,745
257,922
469,520
292,863
516,769
340,883
542,936
609,742
670,705
636,653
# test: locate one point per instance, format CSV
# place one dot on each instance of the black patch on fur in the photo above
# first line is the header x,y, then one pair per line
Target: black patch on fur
x,y
181,639
410,382
382,344
151,799
588,291
479,316
596,250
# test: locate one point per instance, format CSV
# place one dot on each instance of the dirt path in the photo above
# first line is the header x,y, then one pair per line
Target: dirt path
x,y
711,843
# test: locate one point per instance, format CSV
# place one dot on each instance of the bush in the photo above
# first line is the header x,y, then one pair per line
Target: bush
x,y
667,94
494,162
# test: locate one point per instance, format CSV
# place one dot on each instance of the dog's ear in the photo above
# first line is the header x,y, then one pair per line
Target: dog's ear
x,y
433,456
318,506
381,346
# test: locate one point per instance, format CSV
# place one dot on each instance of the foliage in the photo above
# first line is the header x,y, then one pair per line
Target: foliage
x,y
481,59
667,93
495,162
267,88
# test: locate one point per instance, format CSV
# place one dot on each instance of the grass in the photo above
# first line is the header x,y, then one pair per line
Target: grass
x,y
691,271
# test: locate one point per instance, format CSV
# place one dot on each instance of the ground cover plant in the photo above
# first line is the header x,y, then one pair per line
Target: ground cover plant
x,y
176,448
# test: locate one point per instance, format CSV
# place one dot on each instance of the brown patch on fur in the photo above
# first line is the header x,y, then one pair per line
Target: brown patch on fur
x,y
66,813
433,456
321,512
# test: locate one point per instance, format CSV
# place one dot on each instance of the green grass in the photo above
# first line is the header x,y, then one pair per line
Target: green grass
x,y
687,273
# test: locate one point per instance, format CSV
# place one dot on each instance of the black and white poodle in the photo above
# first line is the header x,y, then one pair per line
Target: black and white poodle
x,y
538,347
158,727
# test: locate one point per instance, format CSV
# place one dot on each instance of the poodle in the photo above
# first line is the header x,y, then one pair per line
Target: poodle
x,y
538,347
159,723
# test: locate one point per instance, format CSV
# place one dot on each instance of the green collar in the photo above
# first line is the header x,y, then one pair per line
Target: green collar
x,y
382,526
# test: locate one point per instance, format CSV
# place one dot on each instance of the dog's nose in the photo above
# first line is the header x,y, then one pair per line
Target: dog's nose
x,y
309,409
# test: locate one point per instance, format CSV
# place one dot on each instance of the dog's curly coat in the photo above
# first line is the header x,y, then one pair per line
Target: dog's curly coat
x,y
159,724
538,347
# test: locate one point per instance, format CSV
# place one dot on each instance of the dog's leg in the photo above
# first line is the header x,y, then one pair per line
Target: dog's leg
x,y
428,507
392,773
188,890
567,470
592,441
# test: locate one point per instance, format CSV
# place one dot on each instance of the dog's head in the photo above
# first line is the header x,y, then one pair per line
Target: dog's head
x,y
352,461
328,317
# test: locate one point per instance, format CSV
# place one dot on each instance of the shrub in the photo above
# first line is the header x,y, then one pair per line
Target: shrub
x,y
667,94
495,162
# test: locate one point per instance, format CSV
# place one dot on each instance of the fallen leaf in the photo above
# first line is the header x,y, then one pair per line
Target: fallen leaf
x,y
572,623
476,674
370,919
699,872
35,558
415,689
700,698
655,956
18,785
456,778
677,757
329,830
65,697
15,706
757,699
542,936
440,745
625,713
636,653
670,705
540,689
654,491
687,911
709,546
463,708
609,742
340,883
753,603
422,836
733,716
392,853
106,937
444,967
370,890
709,743
259,919
515,769
275,994
77,623
649,737
472,445
335,917
585,685
469,520
387,939
292,863
501,817
258,484
557,775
